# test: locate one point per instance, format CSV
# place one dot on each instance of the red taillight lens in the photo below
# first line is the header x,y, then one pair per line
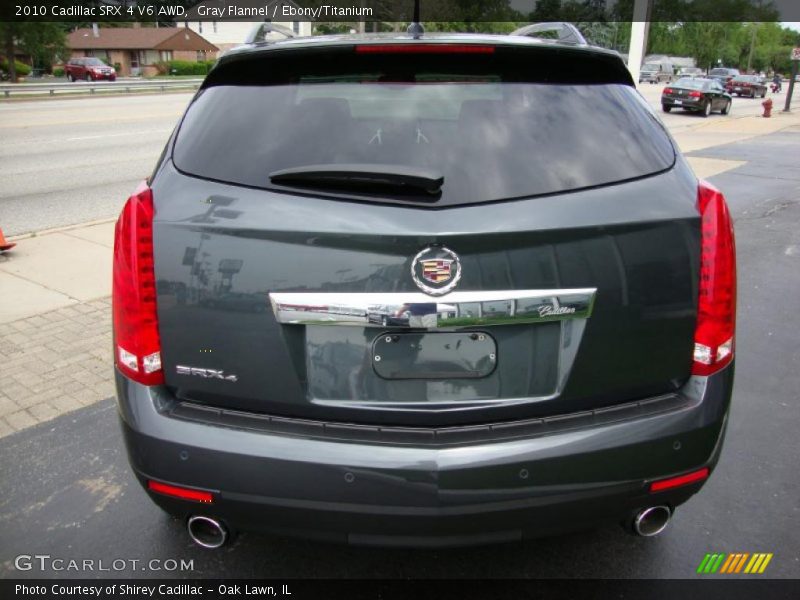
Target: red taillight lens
x,y
412,48
716,305
667,90
180,492
137,346
695,94
681,480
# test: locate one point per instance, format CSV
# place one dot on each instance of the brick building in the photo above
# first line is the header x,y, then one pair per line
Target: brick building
x,y
136,50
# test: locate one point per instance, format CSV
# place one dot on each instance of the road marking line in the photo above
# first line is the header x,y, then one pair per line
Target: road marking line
x,y
108,135
88,137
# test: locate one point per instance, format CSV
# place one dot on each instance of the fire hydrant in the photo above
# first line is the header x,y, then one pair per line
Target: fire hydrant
x,y
767,104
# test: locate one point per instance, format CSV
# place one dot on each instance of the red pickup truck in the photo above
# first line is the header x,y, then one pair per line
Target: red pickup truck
x,y
90,69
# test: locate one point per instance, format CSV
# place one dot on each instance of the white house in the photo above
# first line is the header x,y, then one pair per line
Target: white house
x,y
227,33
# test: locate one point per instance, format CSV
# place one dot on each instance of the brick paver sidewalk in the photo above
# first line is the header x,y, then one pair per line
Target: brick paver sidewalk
x,y
53,363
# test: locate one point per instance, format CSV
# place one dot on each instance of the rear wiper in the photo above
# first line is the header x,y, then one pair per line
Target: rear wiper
x,y
402,178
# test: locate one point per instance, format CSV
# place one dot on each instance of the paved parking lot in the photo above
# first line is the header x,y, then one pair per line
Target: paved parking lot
x,y
70,493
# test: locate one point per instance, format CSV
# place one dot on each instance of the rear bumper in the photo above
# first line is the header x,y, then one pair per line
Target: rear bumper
x,y
425,494
692,104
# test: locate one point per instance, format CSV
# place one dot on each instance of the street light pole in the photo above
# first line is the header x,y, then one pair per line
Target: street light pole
x,y
788,106
795,62
752,46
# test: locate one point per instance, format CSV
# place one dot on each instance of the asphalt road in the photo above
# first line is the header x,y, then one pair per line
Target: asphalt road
x,y
78,159
72,160
68,491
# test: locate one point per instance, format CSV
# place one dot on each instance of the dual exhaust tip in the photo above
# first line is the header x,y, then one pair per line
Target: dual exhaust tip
x,y
211,533
207,531
652,520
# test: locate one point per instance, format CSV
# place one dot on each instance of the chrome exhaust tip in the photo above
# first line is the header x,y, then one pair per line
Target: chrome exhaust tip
x,y
207,532
652,521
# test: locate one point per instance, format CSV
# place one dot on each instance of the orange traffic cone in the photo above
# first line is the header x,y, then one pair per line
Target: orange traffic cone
x,y
4,245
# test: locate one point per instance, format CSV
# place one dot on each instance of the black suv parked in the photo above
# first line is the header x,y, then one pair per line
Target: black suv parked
x,y
567,288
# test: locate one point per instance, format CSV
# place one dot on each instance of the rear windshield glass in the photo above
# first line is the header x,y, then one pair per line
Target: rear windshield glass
x,y
490,135
692,84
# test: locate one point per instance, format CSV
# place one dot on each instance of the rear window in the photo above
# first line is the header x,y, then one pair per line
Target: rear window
x,y
692,84
495,129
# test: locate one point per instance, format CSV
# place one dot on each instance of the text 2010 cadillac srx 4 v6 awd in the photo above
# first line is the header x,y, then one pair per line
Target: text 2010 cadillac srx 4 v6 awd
x,y
422,290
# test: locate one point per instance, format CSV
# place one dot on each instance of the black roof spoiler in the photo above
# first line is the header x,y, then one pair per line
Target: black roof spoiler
x,y
567,32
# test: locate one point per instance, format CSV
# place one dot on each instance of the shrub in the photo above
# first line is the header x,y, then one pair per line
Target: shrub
x,y
58,71
186,67
22,68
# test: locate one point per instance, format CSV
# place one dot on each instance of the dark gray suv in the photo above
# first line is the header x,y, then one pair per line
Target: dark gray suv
x,y
567,287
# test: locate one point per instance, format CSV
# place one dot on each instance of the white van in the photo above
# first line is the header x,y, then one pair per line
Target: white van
x,y
656,72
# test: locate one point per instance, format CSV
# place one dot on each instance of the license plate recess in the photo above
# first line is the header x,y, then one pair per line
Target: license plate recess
x,y
434,355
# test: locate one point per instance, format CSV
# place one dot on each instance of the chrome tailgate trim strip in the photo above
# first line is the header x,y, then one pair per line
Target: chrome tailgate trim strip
x,y
415,310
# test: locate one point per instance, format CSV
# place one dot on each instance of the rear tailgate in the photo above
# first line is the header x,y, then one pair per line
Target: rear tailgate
x,y
577,238
636,244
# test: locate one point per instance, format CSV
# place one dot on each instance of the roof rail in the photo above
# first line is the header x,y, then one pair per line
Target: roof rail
x,y
260,31
567,32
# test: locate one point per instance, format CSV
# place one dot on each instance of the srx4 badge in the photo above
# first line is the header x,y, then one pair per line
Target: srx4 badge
x,y
205,373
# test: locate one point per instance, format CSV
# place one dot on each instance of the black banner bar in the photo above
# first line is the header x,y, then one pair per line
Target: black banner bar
x,y
324,589
469,11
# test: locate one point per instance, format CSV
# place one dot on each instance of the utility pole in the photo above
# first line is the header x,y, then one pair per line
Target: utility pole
x,y
795,62
752,45
639,30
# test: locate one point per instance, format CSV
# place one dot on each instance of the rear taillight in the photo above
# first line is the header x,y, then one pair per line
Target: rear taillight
x,y
667,90
716,305
414,48
695,94
137,346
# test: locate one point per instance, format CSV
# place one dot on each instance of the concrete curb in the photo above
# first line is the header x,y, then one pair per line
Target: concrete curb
x,y
33,234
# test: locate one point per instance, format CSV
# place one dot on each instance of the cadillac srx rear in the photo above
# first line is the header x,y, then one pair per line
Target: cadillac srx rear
x,y
437,291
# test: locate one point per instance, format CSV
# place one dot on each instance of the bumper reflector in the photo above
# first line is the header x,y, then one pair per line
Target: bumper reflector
x,y
179,492
680,480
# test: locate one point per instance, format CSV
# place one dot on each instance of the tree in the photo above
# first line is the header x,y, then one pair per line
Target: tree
x,y
41,41
610,34
546,10
711,41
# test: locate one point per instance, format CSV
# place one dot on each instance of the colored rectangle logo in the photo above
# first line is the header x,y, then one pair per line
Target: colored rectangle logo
x,y
741,563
